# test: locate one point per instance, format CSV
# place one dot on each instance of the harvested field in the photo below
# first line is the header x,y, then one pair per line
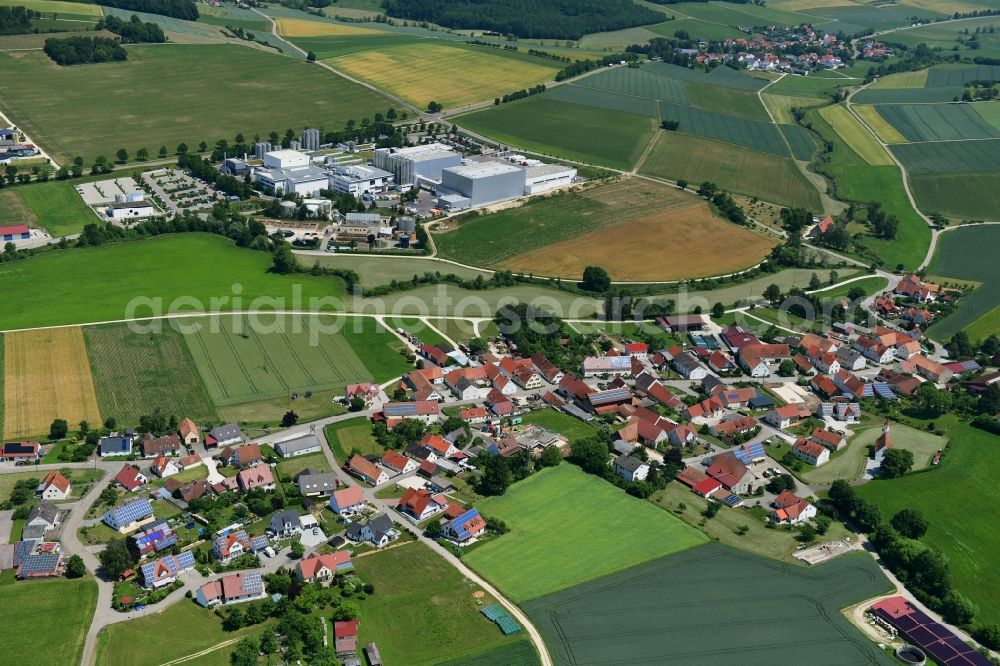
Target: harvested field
x,y
700,245
962,196
290,27
740,170
885,131
135,373
855,135
46,376
949,156
450,75
937,122
670,610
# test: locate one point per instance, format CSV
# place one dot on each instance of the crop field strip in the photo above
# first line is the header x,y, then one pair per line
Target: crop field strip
x,y
990,112
601,99
800,141
291,27
942,95
968,253
937,122
46,376
781,106
949,156
65,9
856,135
756,135
669,610
216,88
962,196
137,372
886,132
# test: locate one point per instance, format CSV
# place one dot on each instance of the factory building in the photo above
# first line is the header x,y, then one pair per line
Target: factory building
x,y
416,164
285,159
358,180
540,178
480,183
290,171
310,139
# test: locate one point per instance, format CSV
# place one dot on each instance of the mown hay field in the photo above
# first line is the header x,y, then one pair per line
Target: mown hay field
x,y
571,131
449,75
552,514
136,373
46,376
215,91
734,168
856,136
700,245
290,27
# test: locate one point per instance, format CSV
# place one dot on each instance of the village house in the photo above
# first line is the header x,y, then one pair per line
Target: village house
x,y
850,385
164,571
378,531
425,411
698,481
246,456
168,445
399,463
474,415
225,435
369,393
54,487
231,589
439,445
18,451
631,469
811,451
316,484
547,369
786,416
736,426
42,519
789,508
689,367
298,446
163,467
851,359
130,478
829,439
116,445
874,350
323,568
253,478
285,524
129,516
734,476
227,547
349,499
152,538
189,432
421,504
465,527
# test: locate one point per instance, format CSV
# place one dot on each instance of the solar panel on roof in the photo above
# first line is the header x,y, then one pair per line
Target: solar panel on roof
x,y
23,549
742,456
731,500
885,391
35,565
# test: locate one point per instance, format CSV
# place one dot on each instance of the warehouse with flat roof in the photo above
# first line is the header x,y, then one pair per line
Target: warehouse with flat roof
x,y
481,183
411,164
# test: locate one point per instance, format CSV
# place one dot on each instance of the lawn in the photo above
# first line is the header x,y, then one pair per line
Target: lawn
x,y
607,225
781,106
572,428
739,170
270,411
290,467
379,349
57,206
416,327
110,282
57,612
570,131
215,91
968,253
245,357
375,271
176,631
713,604
135,373
451,75
443,618
13,208
345,436
560,537
46,376
968,538
962,196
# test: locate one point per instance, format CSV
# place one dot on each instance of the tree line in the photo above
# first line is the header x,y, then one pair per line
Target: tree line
x,y
133,31
84,50
584,66
181,9
16,20
555,19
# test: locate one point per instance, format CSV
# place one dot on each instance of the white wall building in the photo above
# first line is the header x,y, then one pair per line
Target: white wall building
x,y
358,180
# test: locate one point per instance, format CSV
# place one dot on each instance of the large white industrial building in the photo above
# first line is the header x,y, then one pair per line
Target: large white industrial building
x,y
489,180
416,164
291,171
358,180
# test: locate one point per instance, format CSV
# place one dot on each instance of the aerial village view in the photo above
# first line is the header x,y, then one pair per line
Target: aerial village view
x,y
499,332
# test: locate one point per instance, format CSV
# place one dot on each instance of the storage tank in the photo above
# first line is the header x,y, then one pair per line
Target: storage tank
x,y
404,241
119,198
287,208
406,224
136,195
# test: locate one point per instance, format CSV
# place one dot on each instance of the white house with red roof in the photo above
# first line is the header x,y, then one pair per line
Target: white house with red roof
x,y
367,470
811,451
786,416
789,508
54,486
348,499
734,476
477,414
163,467
231,589
227,547
130,478
254,478
439,445
421,504
399,463
323,568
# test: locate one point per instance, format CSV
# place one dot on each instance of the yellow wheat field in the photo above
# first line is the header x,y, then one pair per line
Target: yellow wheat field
x,y
46,376
885,131
305,28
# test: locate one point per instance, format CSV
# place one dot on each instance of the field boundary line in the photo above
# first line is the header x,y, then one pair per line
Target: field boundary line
x,y
219,646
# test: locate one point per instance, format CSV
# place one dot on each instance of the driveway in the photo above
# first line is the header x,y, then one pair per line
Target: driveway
x,y
6,523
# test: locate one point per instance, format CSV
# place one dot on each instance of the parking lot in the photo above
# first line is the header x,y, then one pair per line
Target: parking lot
x,y
178,192
105,191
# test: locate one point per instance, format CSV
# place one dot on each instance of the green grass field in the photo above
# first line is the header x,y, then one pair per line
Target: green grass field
x,y
136,373
962,196
937,122
710,605
856,135
949,156
54,205
215,92
570,131
740,170
944,495
516,653
177,631
753,134
444,620
57,612
261,357
817,88
967,253
345,436
378,270
572,428
290,467
106,279
945,36
781,106
416,327
568,527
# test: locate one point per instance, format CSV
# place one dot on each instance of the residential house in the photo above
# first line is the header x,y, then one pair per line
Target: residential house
x,y
734,398
130,478
689,367
129,516
18,451
631,469
116,445
165,570
811,451
710,408
189,432
824,386
719,362
851,359
803,365
465,528
225,435
829,439
379,531
733,427
39,559
825,362
399,463
698,481
736,338
789,508
549,370
425,411
348,499
168,445
755,359
850,385
734,476
247,456
54,486
154,537
232,589
928,369
368,392
474,415
298,446
316,484
285,524
43,518
648,385
190,462
786,416
874,349
164,467
421,504
227,547
254,478
913,287
594,366
439,445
